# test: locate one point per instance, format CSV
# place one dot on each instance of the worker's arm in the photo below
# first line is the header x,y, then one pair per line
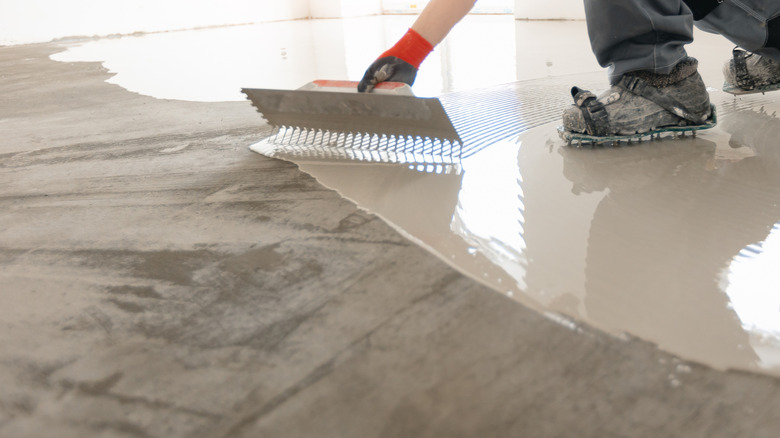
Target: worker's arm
x,y
400,63
439,17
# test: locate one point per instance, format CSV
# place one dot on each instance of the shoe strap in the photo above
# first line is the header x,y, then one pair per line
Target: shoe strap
x,y
741,75
596,117
642,88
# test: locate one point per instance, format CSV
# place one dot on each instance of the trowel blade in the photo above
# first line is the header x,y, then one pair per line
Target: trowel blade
x,y
354,113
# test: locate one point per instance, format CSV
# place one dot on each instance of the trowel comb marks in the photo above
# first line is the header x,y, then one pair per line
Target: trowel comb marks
x,y
365,114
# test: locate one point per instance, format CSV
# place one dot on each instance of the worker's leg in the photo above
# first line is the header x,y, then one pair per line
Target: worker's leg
x,y
632,35
655,85
753,25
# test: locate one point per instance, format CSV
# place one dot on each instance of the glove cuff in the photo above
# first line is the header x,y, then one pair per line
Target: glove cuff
x,y
411,48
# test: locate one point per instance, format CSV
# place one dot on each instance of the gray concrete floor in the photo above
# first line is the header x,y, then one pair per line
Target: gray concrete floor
x,y
161,280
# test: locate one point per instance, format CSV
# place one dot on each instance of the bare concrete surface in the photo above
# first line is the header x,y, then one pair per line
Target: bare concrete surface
x,y
161,280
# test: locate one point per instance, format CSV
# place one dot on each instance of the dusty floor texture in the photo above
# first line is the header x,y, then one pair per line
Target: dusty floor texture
x,y
160,280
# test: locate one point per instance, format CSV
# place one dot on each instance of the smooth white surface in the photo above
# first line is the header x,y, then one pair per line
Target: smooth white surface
x,y
344,8
214,64
29,21
550,10
481,6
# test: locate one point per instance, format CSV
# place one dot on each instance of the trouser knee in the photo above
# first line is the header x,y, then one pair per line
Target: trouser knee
x,y
753,25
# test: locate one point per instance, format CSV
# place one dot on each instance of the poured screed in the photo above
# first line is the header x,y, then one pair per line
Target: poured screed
x,y
673,241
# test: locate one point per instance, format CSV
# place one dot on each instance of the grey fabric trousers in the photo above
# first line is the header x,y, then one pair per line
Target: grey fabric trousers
x,y
631,35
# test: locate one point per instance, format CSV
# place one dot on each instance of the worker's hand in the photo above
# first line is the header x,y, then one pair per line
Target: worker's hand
x,y
387,69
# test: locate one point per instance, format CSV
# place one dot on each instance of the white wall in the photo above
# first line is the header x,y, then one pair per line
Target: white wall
x,y
31,21
481,7
550,10
28,21
344,8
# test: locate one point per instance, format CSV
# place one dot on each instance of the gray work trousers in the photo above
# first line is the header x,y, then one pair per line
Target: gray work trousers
x,y
632,35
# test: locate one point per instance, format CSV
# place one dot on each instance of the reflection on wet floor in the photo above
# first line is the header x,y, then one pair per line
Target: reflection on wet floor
x,y
672,241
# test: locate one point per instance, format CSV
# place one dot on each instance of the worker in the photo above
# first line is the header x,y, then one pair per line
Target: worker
x,y
655,85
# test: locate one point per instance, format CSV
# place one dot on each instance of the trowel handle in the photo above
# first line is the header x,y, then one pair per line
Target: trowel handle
x,y
398,88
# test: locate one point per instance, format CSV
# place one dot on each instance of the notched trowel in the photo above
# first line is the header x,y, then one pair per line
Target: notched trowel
x,y
330,120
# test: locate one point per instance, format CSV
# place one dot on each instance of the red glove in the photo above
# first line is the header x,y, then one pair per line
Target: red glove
x,y
399,63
